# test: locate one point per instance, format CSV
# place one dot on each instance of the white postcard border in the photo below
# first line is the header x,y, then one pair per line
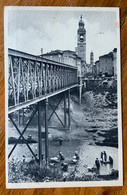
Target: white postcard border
x,y
119,182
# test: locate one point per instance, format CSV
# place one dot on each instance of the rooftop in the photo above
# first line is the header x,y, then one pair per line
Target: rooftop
x,y
57,52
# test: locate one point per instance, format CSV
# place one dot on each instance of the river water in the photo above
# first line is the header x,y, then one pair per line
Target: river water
x,y
87,154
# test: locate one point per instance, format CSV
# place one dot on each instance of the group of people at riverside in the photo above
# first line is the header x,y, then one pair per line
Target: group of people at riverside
x,y
98,163
64,165
103,160
60,158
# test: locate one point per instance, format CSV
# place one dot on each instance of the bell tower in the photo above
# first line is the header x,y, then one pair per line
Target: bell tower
x,y
81,40
91,58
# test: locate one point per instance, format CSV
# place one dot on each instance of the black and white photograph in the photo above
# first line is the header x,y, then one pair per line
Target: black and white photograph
x,y
63,97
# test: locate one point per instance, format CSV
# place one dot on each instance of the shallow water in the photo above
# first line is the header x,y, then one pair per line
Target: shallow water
x,y
87,154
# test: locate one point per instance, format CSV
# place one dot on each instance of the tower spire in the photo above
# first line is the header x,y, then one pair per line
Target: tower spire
x,y
81,40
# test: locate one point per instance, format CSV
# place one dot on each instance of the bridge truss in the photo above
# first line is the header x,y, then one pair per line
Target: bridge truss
x,y
32,81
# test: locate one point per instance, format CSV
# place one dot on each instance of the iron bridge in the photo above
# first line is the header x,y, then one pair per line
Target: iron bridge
x,y
32,79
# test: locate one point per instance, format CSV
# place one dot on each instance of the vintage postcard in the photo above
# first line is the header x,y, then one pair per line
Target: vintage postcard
x,y
63,97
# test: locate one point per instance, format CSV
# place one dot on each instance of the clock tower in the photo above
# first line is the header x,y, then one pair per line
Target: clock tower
x,y
81,40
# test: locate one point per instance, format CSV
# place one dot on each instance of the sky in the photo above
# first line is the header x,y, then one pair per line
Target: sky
x,y
31,30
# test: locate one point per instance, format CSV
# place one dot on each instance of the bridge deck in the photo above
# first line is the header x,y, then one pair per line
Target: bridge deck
x,y
33,101
32,79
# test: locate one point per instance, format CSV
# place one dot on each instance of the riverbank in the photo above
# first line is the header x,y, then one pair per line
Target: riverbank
x,y
21,171
93,121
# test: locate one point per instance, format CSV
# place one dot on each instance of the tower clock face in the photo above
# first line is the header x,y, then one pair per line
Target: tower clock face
x,y
81,38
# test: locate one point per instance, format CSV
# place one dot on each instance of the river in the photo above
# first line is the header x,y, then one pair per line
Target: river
x,y
87,154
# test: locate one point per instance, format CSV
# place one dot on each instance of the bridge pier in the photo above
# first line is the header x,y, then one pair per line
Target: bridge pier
x,y
18,118
39,134
46,133
69,116
23,116
80,91
67,123
65,110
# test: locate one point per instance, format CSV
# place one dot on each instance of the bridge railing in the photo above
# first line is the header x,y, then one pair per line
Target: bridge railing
x,y
31,77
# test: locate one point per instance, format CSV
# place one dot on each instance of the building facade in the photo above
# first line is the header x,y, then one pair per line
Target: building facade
x,y
115,62
106,65
66,57
97,67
